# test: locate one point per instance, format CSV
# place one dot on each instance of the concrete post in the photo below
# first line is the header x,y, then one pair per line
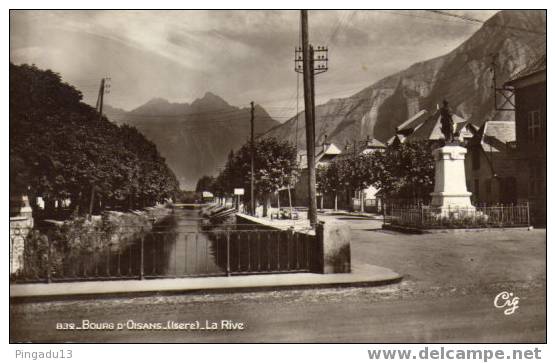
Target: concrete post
x,y
333,248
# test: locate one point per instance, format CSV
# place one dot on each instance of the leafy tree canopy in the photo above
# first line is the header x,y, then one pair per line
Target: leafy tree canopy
x,y
275,167
59,148
404,171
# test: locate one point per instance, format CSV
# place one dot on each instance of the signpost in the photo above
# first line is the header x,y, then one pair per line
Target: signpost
x,y
239,192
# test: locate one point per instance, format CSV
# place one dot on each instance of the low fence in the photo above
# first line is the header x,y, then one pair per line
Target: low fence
x,y
165,254
425,217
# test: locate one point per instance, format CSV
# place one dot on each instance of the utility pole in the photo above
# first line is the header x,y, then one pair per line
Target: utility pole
x,y
305,60
104,89
100,99
309,118
252,158
506,92
312,71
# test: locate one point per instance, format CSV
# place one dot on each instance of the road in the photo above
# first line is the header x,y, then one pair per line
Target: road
x,y
447,296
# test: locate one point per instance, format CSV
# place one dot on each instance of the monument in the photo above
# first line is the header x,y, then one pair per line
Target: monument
x,y
450,189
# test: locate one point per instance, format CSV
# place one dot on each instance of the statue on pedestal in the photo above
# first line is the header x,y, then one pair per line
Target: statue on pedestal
x,y
450,189
447,124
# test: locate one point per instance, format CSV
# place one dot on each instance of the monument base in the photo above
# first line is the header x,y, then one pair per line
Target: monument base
x,y
452,201
450,189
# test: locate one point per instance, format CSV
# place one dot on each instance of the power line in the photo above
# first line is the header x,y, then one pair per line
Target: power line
x,y
333,35
475,20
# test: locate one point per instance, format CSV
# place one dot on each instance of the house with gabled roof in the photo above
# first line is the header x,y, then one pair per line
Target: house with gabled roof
x,y
426,126
530,98
368,198
324,154
491,164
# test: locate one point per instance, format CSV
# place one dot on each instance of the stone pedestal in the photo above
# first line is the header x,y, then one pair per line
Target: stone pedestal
x,y
20,226
333,248
450,189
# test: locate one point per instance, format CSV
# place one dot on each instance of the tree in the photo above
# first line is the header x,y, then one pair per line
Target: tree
x,y
405,171
205,183
61,150
331,179
275,168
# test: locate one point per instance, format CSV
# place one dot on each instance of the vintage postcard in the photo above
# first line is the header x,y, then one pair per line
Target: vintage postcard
x,y
279,176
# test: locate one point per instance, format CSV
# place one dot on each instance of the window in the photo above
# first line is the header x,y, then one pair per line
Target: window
x,y
534,126
536,183
488,186
476,159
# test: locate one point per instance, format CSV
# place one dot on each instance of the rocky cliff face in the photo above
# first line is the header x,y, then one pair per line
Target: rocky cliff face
x,y
195,138
462,77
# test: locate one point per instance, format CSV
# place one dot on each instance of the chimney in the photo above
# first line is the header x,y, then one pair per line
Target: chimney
x,y
325,143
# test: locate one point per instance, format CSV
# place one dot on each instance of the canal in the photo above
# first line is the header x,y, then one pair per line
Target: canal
x,y
182,244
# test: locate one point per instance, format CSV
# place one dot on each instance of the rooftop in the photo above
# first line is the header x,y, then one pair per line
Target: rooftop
x,y
327,152
414,122
430,128
536,66
496,134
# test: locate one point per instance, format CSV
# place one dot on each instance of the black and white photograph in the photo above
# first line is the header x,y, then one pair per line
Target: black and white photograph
x,y
279,176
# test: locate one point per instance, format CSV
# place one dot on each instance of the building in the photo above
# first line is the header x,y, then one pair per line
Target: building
x,y
348,199
491,164
369,196
426,126
409,126
529,87
353,199
324,154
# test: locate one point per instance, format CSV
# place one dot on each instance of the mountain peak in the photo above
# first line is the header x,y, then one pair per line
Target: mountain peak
x,y
161,106
210,100
157,101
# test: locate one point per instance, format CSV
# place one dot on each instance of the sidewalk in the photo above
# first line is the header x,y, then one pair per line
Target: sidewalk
x,y
373,216
363,275
301,224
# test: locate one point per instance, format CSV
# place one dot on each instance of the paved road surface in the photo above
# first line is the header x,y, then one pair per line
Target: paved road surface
x,y
447,296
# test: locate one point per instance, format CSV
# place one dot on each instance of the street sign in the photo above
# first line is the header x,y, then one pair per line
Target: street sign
x,y
239,191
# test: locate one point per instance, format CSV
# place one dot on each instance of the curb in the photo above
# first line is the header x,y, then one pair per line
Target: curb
x,y
366,276
137,294
413,230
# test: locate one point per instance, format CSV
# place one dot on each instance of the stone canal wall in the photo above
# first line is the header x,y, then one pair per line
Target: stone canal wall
x,y
331,240
113,230
20,226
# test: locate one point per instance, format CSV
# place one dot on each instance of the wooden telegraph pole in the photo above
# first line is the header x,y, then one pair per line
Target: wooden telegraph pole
x,y
252,158
100,98
104,88
309,118
306,56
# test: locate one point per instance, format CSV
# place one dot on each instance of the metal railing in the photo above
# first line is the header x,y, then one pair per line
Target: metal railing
x,y
233,250
475,217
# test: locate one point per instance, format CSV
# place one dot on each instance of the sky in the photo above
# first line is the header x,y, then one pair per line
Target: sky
x,y
241,56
